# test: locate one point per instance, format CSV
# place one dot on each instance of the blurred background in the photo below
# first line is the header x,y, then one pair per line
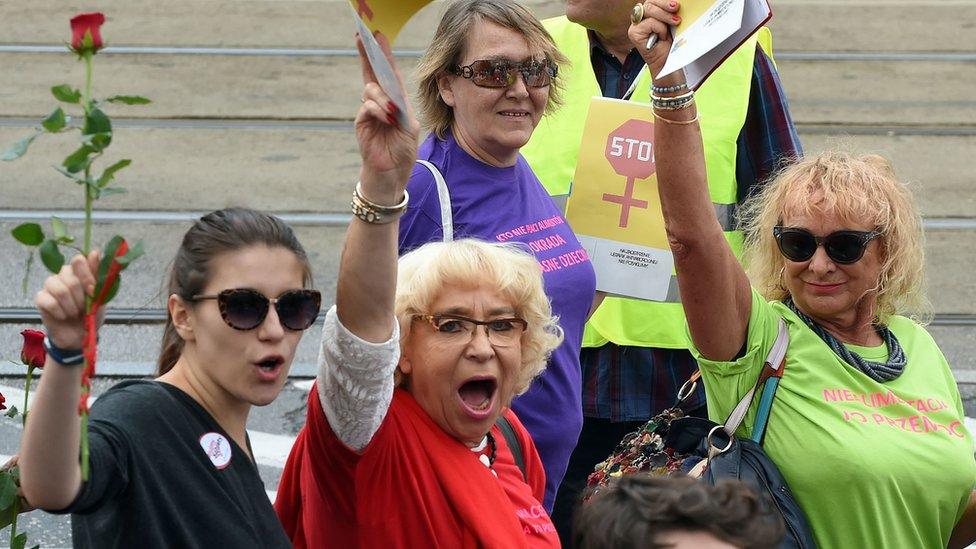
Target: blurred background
x,y
253,102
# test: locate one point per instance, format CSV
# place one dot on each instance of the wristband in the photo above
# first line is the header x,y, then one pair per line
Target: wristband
x,y
64,357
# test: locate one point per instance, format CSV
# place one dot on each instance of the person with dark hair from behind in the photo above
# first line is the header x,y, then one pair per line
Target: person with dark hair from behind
x,y
644,511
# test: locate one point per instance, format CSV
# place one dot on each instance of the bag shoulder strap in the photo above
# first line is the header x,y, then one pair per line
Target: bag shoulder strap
x,y
773,368
444,197
514,444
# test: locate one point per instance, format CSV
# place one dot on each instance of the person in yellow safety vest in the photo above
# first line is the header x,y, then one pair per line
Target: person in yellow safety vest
x,y
635,353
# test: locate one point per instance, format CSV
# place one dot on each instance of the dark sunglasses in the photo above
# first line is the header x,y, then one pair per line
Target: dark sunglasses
x,y
844,247
246,309
501,73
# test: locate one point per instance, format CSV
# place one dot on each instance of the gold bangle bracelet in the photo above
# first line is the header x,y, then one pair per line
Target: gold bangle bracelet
x,y
376,214
676,122
683,96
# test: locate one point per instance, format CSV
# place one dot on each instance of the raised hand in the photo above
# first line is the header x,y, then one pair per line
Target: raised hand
x,y
658,14
388,150
62,301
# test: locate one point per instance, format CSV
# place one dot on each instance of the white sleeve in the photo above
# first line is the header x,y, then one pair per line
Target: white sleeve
x,y
355,381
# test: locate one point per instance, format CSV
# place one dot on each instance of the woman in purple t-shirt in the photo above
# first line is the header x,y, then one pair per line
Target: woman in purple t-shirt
x,y
484,83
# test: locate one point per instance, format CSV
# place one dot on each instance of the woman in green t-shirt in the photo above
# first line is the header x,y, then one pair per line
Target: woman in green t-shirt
x,y
868,425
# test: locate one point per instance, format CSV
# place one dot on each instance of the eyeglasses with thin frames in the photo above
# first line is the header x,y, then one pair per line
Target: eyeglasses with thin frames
x,y
459,330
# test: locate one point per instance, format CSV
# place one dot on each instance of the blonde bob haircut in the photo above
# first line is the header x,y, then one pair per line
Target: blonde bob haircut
x,y
448,48
468,263
858,189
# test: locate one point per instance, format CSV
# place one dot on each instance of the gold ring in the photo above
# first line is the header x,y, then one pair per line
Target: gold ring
x,y
637,14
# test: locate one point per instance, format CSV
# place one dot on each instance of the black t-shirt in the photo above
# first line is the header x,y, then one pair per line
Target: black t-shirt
x,y
164,474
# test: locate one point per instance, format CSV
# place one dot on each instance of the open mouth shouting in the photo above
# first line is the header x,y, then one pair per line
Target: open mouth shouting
x,y
269,367
477,396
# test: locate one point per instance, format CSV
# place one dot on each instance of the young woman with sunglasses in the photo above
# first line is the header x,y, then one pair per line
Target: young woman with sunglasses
x,y
485,81
171,464
420,358
867,425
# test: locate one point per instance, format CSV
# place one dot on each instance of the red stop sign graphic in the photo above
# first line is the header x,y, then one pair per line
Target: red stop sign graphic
x,y
630,149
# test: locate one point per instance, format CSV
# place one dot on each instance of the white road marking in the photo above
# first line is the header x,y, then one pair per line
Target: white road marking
x,y
304,385
269,449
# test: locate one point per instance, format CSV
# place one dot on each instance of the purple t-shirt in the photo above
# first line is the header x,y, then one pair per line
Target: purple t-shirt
x,y
510,205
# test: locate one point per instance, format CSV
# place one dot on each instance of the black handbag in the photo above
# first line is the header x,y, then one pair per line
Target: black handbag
x,y
674,444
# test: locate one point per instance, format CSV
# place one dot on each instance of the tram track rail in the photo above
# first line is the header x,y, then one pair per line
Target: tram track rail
x,y
305,218
919,56
323,124
143,316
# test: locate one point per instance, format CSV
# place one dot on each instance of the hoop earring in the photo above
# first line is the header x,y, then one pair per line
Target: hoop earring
x,y
780,282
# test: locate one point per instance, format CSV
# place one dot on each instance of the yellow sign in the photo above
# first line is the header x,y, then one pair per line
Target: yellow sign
x,y
387,16
614,207
614,191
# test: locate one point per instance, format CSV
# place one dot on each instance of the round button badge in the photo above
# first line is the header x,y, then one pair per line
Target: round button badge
x,y
217,448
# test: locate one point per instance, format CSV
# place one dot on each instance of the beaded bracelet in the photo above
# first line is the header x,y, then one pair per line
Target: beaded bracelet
x,y
670,89
673,105
373,213
676,122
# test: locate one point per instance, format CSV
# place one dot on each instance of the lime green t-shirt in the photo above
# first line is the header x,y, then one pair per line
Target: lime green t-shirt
x,y
871,464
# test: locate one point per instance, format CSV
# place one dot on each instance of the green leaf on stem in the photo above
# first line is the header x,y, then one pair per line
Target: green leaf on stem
x,y
19,541
51,256
78,160
12,412
18,149
7,515
113,290
66,94
134,253
113,190
109,172
56,121
8,490
129,99
96,121
77,178
61,231
108,255
28,234
97,141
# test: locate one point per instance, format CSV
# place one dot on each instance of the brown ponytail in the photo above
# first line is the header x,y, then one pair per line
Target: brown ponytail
x,y
217,232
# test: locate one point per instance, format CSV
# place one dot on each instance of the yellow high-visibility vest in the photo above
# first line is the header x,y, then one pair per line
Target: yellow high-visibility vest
x,y
722,103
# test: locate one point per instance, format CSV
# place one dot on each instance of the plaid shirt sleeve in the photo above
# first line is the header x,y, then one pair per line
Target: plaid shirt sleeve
x,y
768,139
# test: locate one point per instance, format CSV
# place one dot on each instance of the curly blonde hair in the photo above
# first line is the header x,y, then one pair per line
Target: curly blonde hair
x,y
514,273
447,48
853,187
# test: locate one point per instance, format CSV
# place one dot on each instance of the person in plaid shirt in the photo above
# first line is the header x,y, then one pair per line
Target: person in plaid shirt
x,y
625,385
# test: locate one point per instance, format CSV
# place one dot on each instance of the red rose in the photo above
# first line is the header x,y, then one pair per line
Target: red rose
x,y
3,406
86,23
33,353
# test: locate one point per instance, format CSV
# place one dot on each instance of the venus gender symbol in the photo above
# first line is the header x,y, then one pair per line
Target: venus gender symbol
x,y
630,151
